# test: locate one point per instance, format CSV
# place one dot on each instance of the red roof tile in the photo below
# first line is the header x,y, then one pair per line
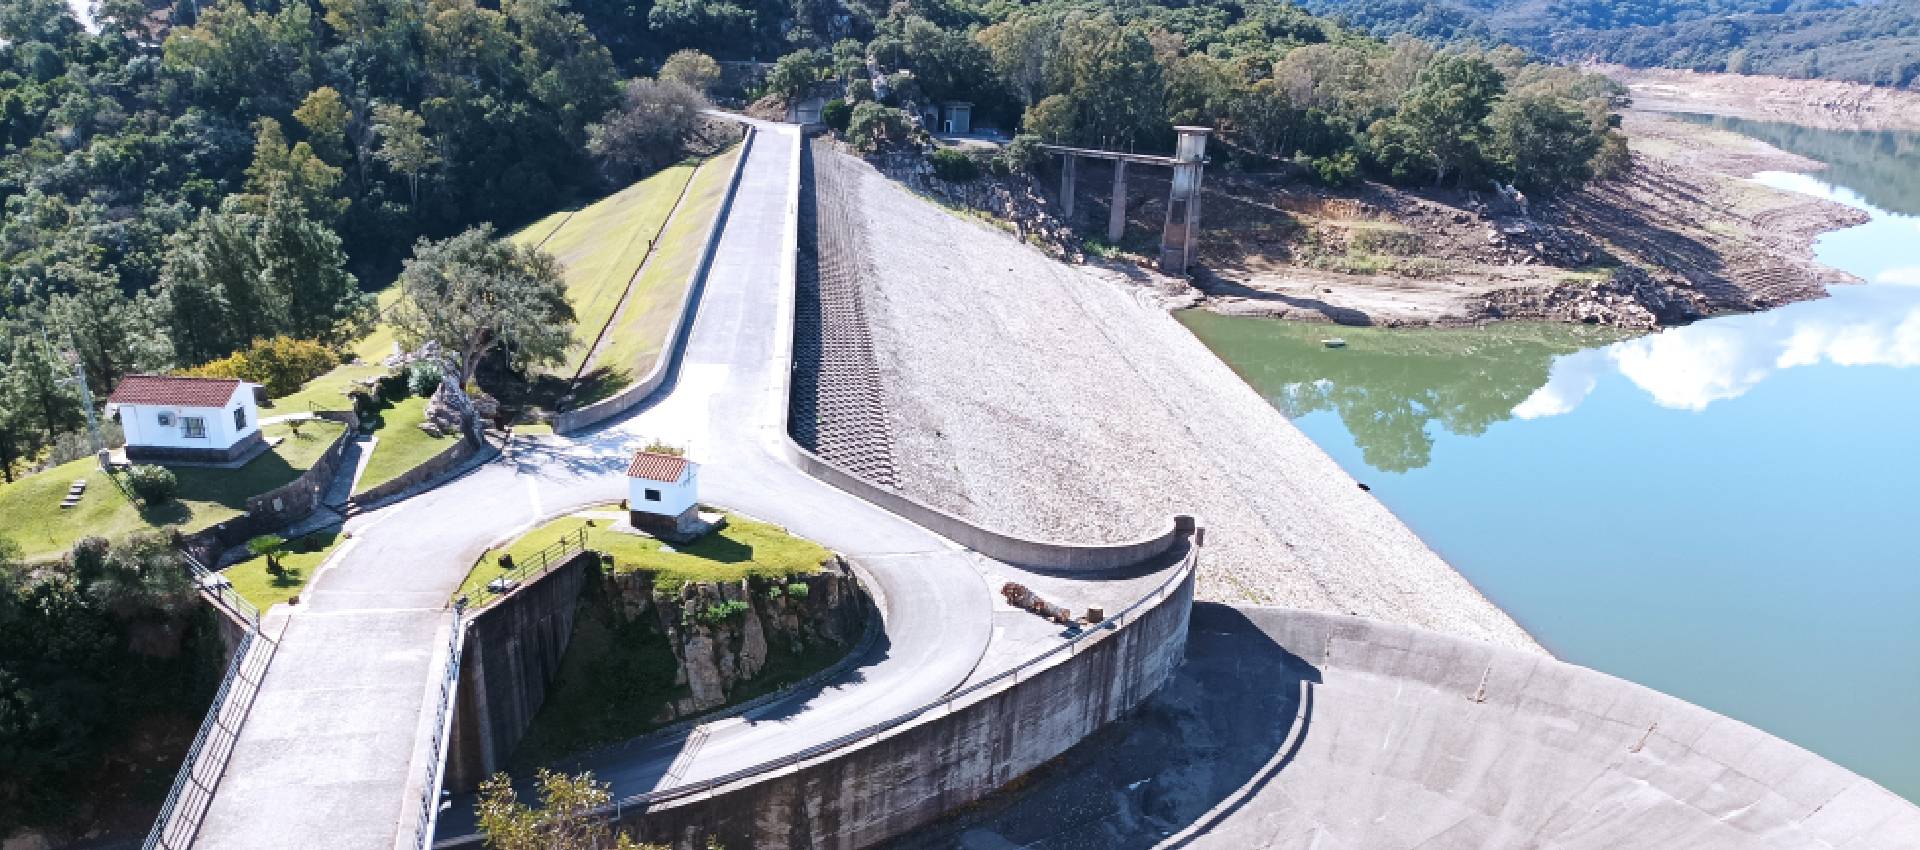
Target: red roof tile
x,y
172,390
656,467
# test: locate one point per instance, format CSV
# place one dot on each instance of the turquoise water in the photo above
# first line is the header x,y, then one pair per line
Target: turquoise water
x,y
1726,511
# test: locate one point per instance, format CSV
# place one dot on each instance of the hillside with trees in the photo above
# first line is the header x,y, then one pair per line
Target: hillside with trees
x,y
181,184
1862,41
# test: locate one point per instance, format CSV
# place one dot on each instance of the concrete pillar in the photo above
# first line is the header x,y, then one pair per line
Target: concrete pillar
x,y
1066,188
1183,201
1117,214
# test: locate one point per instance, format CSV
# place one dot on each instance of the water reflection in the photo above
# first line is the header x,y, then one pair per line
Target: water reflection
x,y
1390,387
1883,165
1692,367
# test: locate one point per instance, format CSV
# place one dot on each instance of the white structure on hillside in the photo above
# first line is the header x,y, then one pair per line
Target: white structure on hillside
x,y
663,492
195,419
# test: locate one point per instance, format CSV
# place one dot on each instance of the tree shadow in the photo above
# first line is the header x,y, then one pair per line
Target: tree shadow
x,y
1230,720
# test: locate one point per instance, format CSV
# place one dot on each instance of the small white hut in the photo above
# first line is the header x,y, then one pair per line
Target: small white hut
x,y
663,492
170,418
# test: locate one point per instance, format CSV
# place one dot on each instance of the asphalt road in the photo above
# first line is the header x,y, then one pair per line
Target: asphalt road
x,y
334,751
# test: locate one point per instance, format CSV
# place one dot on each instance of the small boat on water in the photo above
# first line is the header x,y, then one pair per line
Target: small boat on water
x,y
1334,342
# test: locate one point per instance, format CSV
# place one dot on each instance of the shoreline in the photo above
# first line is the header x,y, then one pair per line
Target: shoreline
x,y
1688,235
1825,104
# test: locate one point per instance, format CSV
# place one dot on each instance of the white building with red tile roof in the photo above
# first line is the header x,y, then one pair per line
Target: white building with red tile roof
x,y
661,489
173,418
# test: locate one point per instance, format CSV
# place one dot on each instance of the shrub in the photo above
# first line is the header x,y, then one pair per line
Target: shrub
x,y
662,447
797,590
393,386
719,612
954,166
280,364
423,377
155,485
836,114
1023,153
1338,170
874,127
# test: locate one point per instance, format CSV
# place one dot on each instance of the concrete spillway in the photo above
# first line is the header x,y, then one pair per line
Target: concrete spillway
x,y
1290,729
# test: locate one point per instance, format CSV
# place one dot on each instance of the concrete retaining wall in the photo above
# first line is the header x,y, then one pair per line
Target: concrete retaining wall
x,y
512,654
949,757
432,468
600,411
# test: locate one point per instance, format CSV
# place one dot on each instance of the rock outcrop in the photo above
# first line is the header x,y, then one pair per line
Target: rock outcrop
x,y
723,633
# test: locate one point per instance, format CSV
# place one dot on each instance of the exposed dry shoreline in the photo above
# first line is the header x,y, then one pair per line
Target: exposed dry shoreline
x,y
1829,104
1686,235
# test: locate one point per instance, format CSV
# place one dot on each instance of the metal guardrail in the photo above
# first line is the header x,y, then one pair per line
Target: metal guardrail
x,y
538,564
1152,599
187,802
436,754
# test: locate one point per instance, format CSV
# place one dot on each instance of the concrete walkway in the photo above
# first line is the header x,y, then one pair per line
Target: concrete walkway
x,y
334,754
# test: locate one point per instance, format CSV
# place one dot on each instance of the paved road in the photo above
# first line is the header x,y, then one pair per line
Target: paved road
x,y
334,752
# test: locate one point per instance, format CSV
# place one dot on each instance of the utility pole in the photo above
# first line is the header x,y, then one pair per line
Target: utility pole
x,y
79,379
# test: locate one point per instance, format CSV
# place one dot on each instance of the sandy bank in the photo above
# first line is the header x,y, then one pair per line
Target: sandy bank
x,y
1036,398
1831,104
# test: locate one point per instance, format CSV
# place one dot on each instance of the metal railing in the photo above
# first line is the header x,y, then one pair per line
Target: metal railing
x,y
1072,646
187,802
436,753
536,565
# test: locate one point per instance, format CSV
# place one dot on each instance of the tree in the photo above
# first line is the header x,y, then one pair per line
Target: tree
x,y
1444,117
295,173
693,69
271,547
1021,49
562,821
302,264
874,127
404,145
650,129
324,115
566,70
1114,86
1546,145
471,292
795,72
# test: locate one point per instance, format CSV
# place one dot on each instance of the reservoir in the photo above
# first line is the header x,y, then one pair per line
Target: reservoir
x,y
1728,512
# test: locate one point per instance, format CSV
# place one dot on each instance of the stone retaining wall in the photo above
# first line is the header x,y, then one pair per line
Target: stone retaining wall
x,y
572,421
280,507
432,468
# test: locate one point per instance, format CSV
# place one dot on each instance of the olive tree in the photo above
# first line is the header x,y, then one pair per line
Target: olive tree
x,y
473,292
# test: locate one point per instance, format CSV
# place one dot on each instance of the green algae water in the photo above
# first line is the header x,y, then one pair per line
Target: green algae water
x,y
1726,512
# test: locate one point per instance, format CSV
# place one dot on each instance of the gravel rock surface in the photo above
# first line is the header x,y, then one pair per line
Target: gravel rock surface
x,y
1041,400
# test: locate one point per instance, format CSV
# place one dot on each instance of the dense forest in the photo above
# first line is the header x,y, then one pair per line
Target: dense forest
x,y
1866,41
187,182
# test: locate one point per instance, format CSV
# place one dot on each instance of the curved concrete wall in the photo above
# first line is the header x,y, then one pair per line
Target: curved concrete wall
x,y
948,757
1408,738
605,409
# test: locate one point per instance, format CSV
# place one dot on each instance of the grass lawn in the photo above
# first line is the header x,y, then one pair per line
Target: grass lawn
x,y
264,589
33,518
401,444
601,246
635,342
744,548
329,391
